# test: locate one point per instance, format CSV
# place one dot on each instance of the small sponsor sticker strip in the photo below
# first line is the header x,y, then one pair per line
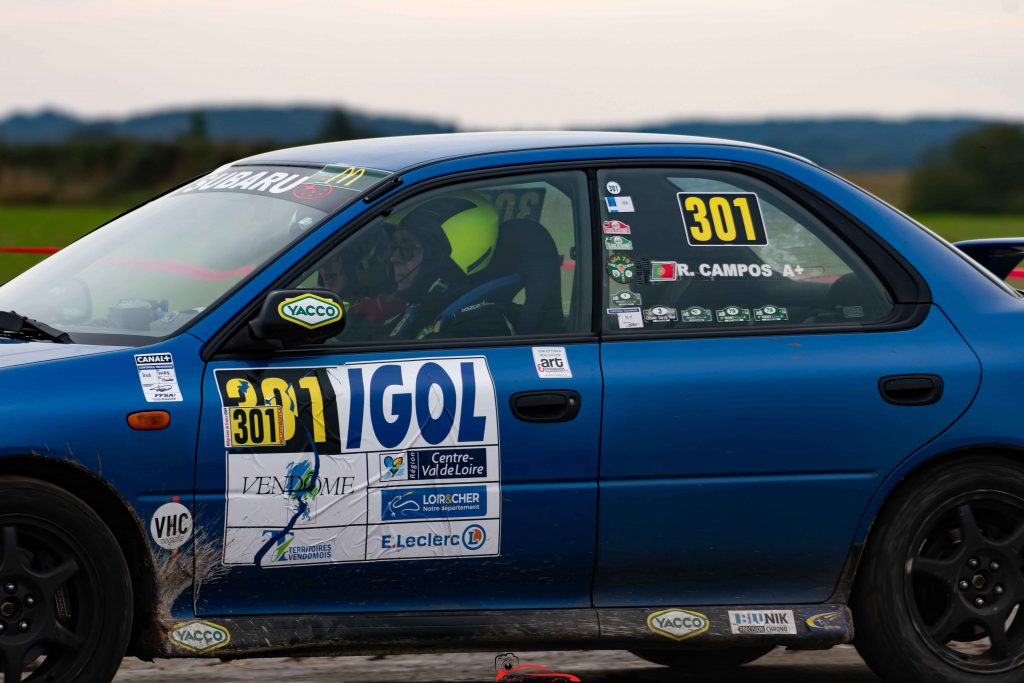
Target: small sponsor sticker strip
x,y
616,228
762,622
382,482
620,204
661,314
770,314
733,314
618,243
199,636
625,299
551,362
171,525
678,624
157,377
629,318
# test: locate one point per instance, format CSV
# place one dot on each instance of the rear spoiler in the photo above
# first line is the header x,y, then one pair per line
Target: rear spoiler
x,y
999,255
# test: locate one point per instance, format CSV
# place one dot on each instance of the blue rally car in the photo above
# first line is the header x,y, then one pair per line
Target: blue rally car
x,y
687,397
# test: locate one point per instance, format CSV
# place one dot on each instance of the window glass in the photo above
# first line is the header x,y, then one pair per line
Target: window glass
x,y
494,258
703,249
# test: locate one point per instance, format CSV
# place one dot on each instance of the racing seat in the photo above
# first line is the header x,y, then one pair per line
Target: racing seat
x,y
526,252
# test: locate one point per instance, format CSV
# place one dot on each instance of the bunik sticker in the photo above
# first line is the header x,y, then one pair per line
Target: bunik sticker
x,y
733,314
758,622
621,268
615,228
171,525
619,204
551,362
156,375
770,314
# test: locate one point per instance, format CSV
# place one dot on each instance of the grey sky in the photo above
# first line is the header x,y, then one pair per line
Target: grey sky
x,y
504,63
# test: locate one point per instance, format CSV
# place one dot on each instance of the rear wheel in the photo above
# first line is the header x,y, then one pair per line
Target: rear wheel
x,y
704,660
940,595
65,595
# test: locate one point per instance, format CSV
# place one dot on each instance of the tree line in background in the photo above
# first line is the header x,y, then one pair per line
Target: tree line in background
x,y
980,171
97,168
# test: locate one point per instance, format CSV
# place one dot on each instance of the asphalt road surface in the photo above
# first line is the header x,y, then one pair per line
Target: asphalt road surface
x,y
838,665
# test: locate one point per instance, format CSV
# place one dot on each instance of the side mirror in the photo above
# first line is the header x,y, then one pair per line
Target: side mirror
x,y
296,317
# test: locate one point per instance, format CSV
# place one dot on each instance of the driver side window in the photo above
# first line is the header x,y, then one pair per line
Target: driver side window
x,y
487,259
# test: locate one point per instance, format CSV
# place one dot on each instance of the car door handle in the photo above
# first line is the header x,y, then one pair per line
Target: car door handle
x,y
911,390
545,406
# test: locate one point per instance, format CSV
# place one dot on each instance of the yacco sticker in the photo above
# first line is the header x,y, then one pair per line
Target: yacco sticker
x,y
621,268
733,314
770,314
762,622
620,204
615,228
199,636
722,219
677,624
826,622
171,525
157,377
551,362
310,311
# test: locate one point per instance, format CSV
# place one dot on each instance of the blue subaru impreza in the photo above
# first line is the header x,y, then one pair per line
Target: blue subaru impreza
x,y
687,397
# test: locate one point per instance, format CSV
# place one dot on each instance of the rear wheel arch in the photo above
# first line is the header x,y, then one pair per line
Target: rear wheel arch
x,y
123,523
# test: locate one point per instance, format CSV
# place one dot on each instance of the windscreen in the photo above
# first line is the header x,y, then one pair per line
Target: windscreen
x,y
148,273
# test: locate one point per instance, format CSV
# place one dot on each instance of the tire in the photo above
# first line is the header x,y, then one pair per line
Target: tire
x,y
65,592
705,660
942,574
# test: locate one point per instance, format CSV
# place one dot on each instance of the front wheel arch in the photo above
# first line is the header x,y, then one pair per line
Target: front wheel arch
x,y
125,525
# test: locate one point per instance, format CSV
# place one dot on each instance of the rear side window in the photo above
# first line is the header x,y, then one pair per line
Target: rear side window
x,y
689,249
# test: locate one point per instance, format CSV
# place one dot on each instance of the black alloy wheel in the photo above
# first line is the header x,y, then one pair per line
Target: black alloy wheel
x,y
65,596
939,596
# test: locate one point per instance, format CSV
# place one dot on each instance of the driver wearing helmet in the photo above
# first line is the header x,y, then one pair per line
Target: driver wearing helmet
x,y
440,251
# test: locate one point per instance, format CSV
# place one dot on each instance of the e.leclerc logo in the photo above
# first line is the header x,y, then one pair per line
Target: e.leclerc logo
x,y
310,311
678,624
199,636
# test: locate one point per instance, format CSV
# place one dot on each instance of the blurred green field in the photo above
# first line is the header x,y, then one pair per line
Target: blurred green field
x,y
40,226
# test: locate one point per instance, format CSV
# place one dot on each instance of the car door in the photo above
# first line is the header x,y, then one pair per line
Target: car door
x,y
441,452
765,366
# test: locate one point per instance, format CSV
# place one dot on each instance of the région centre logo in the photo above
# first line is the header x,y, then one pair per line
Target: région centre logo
x,y
310,311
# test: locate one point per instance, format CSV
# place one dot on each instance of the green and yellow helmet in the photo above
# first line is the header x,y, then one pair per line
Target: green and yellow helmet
x,y
461,227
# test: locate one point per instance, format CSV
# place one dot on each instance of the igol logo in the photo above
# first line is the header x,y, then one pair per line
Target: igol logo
x,y
473,537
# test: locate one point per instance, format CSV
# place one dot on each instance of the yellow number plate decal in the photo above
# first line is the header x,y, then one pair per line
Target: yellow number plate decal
x,y
253,426
722,219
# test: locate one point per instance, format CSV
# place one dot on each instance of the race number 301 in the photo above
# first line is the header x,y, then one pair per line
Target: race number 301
x,y
722,219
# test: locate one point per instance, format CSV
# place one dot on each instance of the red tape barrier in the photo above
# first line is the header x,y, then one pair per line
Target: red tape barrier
x,y
30,250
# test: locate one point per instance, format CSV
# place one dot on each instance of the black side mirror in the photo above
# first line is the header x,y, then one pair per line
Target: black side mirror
x,y
296,317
